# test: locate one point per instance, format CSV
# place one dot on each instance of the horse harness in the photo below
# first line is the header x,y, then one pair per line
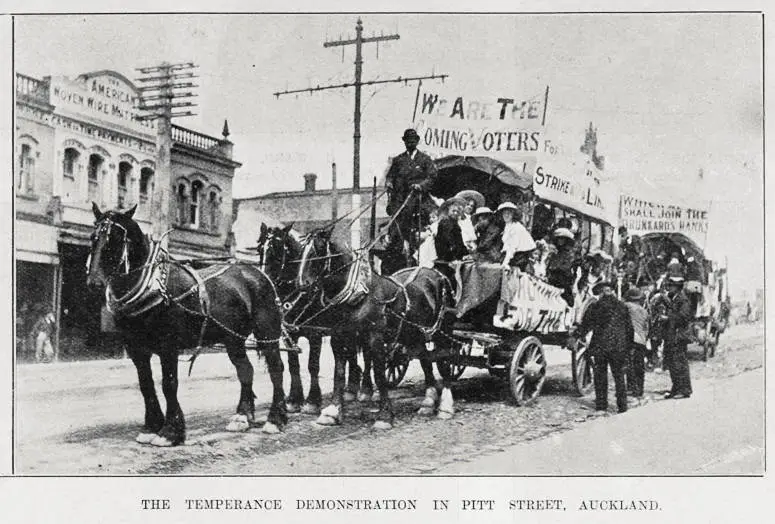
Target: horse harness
x,y
427,331
151,291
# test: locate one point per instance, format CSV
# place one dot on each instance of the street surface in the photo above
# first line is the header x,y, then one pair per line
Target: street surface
x,y
82,418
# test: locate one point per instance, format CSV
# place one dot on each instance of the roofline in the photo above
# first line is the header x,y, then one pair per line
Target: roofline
x,y
109,72
317,192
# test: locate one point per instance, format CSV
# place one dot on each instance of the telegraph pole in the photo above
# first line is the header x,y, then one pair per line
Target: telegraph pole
x,y
161,98
358,83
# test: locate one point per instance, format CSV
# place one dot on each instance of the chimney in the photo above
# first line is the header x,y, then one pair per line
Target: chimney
x,y
309,182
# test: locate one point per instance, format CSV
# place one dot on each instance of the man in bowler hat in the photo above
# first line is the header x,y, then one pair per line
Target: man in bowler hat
x,y
612,335
411,173
679,315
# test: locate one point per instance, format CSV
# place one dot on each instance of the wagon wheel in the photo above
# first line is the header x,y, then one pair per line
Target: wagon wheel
x,y
528,370
455,370
581,366
396,364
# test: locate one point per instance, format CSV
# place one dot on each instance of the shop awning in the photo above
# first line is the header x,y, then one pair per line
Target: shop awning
x,y
35,242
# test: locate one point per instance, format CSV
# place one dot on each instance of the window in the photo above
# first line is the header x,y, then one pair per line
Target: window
x,y
70,162
196,196
95,168
25,182
181,201
124,174
146,184
214,206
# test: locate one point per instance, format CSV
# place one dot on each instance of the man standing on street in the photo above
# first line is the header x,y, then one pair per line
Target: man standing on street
x,y
679,315
640,324
612,335
411,175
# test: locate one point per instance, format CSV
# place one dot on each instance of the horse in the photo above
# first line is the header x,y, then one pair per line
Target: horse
x,y
279,255
163,307
409,308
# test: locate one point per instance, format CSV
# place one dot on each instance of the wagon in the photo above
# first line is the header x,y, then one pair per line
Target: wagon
x,y
705,285
503,319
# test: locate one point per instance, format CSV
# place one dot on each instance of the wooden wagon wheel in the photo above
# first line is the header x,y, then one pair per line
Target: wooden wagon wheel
x,y
527,373
581,366
455,369
396,364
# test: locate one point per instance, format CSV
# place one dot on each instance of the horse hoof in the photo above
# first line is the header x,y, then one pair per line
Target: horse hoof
x,y
444,415
364,397
310,409
428,403
325,420
145,438
331,411
425,411
161,442
238,423
292,407
349,396
270,429
381,424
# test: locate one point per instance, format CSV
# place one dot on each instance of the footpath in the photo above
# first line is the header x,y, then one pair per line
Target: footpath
x,y
718,431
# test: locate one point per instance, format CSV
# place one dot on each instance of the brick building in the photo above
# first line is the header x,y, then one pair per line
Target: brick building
x,y
79,141
306,209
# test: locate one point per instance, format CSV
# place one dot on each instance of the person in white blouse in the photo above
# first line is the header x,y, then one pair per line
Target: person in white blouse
x,y
474,200
517,242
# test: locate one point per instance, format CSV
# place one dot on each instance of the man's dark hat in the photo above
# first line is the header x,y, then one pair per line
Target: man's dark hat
x,y
634,295
410,133
598,288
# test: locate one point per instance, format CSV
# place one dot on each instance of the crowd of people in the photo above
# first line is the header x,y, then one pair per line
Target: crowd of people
x,y
626,333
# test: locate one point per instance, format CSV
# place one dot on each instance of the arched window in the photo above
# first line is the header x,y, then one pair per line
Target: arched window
x,y
70,162
95,168
146,185
194,203
26,179
124,175
181,197
214,208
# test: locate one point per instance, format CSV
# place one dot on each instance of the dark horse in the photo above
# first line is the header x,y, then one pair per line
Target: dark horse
x,y
408,309
162,306
279,255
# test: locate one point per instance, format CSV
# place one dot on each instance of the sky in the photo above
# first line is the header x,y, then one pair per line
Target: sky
x,y
670,94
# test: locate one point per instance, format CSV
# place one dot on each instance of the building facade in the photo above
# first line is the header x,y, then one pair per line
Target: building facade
x,y
307,209
79,141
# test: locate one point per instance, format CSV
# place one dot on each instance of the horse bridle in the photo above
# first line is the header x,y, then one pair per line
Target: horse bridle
x,y
272,237
105,226
305,258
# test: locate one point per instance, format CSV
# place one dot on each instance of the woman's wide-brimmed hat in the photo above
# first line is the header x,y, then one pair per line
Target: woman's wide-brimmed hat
x,y
508,205
451,201
562,232
482,211
470,194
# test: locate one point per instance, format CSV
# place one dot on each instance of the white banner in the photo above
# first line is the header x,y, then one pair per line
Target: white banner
x,y
529,304
511,128
641,216
505,124
574,181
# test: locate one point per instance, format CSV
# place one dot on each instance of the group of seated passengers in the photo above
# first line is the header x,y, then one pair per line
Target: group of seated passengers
x,y
464,229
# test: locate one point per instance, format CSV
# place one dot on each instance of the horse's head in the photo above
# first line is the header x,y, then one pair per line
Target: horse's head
x,y
316,258
279,253
116,246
